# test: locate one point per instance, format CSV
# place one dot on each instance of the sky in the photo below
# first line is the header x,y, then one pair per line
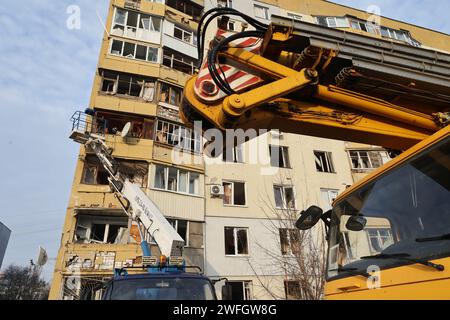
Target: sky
x,y
46,74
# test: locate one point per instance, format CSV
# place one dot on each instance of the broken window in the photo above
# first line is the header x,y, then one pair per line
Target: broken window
x,y
289,241
101,229
177,180
233,154
368,159
127,84
182,227
178,61
236,241
279,156
284,197
95,174
170,94
112,123
134,51
323,161
189,8
134,25
178,136
234,194
293,290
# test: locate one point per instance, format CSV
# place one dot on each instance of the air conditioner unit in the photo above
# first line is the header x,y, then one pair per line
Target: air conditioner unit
x,y
217,190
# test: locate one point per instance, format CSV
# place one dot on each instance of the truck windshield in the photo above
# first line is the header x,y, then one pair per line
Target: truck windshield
x,y
406,213
162,289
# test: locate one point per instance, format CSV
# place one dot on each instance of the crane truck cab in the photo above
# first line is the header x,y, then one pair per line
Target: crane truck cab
x,y
160,286
389,235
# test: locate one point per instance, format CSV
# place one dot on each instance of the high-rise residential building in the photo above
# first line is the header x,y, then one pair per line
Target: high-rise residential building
x,y
5,233
148,52
230,211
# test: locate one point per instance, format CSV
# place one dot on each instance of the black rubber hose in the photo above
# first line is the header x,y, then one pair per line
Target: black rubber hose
x,y
218,12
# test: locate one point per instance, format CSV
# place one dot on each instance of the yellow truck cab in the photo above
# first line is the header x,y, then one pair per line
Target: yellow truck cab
x,y
389,235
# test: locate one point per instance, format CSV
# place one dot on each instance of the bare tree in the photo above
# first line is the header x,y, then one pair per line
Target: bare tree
x,y
23,283
300,255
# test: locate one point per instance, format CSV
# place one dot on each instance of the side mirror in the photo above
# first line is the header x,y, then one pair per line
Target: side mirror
x,y
227,293
309,218
356,223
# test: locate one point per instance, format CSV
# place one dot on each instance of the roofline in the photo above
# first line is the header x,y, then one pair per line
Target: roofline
x,y
392,19
398,161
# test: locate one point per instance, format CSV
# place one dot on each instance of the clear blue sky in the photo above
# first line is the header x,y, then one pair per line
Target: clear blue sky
x,y
46,74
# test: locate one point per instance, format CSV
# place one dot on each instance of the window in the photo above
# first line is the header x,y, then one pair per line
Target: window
x,y
324,162
284,197
368,159
184,35
128,85
182,227
178,61
293,290
240,290
135,25
379,239
111,123
101,229
178,136
261,12
95,174
234,194
333,22
225,3
290,241
279,156
177,180
170,94
233,154
195,11
236,241
134,51
328,196
294,16
400,35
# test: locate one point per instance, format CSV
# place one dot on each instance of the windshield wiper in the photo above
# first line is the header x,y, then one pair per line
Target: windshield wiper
x,y
352,271
406,257
436,238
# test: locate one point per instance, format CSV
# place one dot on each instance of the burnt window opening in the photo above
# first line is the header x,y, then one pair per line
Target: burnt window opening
x,y
101,229
95,174
111,123
117,83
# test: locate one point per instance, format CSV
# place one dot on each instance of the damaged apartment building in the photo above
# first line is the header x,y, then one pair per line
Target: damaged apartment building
x,y
226,210
147,53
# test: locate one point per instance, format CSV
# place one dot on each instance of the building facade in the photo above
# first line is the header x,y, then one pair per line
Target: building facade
x,y
230,210
147,54
5,233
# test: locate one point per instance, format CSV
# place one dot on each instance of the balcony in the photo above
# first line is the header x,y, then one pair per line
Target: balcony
x,y
188,8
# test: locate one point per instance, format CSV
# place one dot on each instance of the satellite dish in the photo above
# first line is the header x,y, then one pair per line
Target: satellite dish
x,y
126,130
42,257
